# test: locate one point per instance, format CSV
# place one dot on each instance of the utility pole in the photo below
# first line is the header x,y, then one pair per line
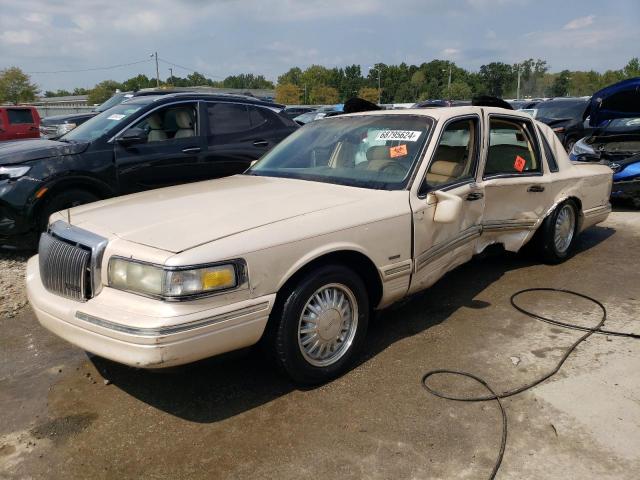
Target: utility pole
x,y
171,75
155,54
449,83
305,94
518,91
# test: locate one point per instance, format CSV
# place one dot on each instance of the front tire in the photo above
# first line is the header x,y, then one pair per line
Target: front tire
x,y
558,233
322,324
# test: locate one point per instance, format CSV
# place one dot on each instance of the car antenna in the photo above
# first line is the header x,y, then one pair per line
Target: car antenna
x,y
69,216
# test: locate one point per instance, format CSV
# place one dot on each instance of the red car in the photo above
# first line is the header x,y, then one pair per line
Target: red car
x,y
19,122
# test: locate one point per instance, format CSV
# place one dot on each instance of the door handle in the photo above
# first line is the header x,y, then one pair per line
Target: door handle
x,y
191,150
260,143
474,196
535,189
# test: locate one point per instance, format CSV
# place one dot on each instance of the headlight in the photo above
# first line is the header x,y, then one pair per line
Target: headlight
x,y
13,171
65,128
582,149
174,283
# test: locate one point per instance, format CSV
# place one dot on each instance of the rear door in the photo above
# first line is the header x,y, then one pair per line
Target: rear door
x,y
22,123
172,153
516,190
237,134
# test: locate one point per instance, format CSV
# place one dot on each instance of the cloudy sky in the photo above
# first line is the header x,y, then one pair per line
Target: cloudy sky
x,y
224,37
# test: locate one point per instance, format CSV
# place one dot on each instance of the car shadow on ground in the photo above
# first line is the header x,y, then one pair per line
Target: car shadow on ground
x,y
221,387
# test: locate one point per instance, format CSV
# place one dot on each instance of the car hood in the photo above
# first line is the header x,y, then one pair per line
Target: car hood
x,y
21,151
57,119
177,218
620,100
556,122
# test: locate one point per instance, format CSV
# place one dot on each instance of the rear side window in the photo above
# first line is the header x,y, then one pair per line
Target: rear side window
x,y
227,119
551,159
263,118
512,149
19,116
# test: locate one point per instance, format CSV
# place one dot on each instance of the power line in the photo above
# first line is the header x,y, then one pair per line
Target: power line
x,y
193,70
93,69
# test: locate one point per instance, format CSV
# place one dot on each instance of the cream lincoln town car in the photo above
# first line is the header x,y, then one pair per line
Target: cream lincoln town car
x,y
347,215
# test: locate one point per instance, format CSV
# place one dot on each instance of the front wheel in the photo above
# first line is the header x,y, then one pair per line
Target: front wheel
x,y
558,232
322,324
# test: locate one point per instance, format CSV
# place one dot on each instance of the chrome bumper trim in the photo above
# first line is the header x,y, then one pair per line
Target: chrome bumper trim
x,y
183,327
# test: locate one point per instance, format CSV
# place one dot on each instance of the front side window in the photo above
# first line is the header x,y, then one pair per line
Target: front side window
x,y
512,150
18,116
369,151
455,158
170,123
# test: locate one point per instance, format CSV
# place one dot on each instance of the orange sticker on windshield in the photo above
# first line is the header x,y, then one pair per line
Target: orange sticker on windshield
x,y
398,151
520,163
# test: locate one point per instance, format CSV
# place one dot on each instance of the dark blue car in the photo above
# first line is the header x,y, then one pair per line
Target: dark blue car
x,y
614,113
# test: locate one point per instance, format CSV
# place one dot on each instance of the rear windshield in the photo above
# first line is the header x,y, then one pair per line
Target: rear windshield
x,y
561,109
369,151
19,115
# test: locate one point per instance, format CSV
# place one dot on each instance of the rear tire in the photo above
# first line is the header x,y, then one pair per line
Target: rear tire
x,y
321,324
558,233
62,201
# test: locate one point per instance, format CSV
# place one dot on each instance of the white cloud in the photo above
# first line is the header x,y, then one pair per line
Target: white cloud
x,y
39,18
580,22
491,34
19,37
450,52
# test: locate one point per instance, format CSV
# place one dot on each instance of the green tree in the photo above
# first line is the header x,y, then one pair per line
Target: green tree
x,y
57,93
293,77
561,84
288,94
138,82
498,78
324,95
368,93
103,91
16,86
248,80
632,69
460,91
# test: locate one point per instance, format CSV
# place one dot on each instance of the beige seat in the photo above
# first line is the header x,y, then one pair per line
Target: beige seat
x,y
185,124
156,132
442,171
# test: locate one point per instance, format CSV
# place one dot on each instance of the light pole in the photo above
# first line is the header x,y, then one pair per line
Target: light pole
x,y
449,82
518,90
171,75
155,54
379,90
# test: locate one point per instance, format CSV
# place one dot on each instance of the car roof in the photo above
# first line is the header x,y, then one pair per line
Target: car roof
x,y
438,113
148,98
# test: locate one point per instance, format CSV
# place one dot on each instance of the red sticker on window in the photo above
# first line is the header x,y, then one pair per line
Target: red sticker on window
x,y
398,151
520,163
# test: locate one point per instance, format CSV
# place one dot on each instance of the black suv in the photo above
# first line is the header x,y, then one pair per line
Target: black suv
x,y
143,143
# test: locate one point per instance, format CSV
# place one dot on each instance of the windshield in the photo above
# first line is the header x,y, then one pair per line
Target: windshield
x,y
370,151
102,123
115,100
561,109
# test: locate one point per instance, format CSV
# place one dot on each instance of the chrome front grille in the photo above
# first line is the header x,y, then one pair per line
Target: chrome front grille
x,y
64,268
70,261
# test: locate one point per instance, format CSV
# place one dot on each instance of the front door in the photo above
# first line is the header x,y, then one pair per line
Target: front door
x,y
172,153
451,178
516,191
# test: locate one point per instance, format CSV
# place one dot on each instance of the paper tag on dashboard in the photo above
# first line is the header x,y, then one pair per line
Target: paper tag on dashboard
x,y
116,116
398,151
520,163
405,135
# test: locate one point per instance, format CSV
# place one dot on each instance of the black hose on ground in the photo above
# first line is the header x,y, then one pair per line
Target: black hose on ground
x,y
498,396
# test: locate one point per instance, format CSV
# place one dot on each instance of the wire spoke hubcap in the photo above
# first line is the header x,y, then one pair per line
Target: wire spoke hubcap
x,y
328,324
564,228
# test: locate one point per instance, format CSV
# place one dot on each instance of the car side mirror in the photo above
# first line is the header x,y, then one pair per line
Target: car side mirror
x,y
448,207
132,136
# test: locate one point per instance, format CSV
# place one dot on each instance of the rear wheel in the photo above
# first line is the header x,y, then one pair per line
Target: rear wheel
x,y
323,322
558,232
62,201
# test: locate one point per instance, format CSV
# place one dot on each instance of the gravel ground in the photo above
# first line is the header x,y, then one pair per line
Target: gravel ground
x,y
13,295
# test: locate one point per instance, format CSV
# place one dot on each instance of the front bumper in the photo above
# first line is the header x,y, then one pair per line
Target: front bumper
x,y
110,330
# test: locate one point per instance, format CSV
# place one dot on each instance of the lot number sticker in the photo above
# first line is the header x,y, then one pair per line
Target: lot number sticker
x,y
405,135
116,116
